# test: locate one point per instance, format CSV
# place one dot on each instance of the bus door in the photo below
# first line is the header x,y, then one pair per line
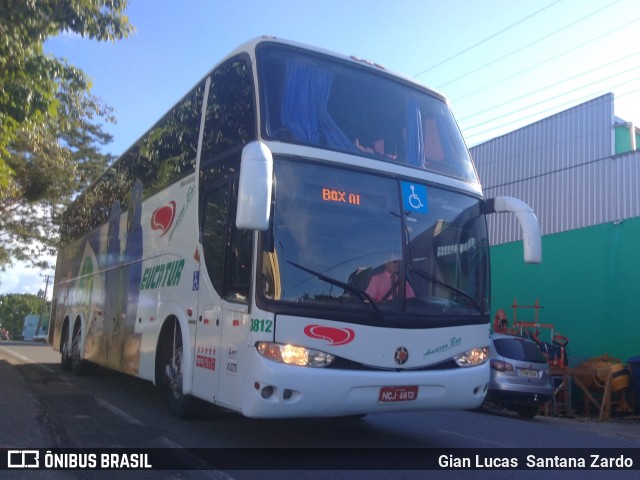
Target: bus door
x,y
213,229
236,292
225,279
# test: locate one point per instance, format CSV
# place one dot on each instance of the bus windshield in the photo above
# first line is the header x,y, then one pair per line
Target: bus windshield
x,y
311,100
373,244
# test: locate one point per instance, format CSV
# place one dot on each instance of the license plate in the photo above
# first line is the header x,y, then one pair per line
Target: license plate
x,y
398,394
528,373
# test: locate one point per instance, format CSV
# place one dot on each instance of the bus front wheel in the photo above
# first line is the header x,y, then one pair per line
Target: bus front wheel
x,y
79,366
65,350
171,370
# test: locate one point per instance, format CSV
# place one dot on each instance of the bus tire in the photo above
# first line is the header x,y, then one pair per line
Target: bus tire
x,y
65,349
169,365
79,366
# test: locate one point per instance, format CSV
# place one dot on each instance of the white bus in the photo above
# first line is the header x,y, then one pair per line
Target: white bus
x,y
303,234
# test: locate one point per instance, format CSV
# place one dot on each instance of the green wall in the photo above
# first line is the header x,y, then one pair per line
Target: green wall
x,y
623,139
588,283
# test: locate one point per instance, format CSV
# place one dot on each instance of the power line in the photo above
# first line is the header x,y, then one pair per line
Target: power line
x,y
538,40
485,40
627,93
550,59
493,107
517,121
563,94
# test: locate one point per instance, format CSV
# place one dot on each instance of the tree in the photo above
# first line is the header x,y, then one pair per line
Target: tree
x,y
50,123
14,307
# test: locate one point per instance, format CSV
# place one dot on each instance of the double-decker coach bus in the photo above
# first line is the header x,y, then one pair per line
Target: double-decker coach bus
x,y
303,234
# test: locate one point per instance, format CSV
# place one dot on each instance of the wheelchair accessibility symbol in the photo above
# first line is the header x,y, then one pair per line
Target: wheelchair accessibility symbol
x,y
414,197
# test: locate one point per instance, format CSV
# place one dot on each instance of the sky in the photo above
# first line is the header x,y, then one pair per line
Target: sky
x,y
502,64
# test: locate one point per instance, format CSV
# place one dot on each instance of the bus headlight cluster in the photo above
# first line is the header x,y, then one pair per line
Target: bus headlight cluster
x,y
294,355
473,357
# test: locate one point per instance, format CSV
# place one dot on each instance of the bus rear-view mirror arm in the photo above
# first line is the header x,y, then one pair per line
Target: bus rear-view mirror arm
x,y
528,224
254,188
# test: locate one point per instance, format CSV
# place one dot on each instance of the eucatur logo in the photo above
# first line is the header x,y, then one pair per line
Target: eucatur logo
x,y
333,335
163,217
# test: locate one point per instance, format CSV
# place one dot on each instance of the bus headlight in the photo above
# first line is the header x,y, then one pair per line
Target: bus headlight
x,y
473,357
294,355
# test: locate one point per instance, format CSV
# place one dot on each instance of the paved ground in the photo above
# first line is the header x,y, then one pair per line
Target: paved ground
x,y
24,429
29,428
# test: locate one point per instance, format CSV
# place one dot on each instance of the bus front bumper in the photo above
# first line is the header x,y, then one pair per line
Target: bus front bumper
x,y
282,391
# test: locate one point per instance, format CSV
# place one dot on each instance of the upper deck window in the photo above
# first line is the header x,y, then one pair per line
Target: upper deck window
x,y
330,103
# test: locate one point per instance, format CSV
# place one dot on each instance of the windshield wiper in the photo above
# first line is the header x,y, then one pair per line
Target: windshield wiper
x,y
433,279
361,294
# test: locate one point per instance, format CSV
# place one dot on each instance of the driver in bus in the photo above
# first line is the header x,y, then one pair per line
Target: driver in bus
x,y
384,286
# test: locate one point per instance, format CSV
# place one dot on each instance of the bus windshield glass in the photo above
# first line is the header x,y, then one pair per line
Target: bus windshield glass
x,y
374,244
309,99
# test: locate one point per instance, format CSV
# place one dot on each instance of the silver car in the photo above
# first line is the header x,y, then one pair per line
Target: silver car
x,y
520,377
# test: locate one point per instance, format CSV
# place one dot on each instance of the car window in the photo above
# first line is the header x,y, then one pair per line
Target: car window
x,y
519,349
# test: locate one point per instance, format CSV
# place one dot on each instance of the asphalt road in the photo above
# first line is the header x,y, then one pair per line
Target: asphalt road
x,y
44,407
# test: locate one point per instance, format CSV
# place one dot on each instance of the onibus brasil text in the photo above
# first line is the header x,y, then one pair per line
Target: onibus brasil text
x,y
56,460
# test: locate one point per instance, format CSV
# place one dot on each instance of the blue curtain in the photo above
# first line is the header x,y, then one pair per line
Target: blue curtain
x,y
305,111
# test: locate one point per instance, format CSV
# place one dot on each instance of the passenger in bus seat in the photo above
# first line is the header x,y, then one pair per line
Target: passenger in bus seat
x,y
377,148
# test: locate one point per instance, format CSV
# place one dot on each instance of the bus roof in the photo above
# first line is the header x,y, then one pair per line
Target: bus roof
x,y
251,45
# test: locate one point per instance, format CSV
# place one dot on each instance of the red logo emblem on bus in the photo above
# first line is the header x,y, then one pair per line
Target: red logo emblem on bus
x,y
163,217
401,355
333,335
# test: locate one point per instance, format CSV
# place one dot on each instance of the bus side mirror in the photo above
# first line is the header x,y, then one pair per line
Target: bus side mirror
x,y
528,224
254,188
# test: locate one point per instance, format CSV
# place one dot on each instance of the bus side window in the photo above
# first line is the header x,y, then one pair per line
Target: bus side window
x,y
231,117
237,276
227,250
214,227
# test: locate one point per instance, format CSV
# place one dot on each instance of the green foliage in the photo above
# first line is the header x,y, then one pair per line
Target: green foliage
x,y
50,123
15,306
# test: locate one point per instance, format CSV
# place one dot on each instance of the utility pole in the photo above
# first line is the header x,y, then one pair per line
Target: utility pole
x,y
44,304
